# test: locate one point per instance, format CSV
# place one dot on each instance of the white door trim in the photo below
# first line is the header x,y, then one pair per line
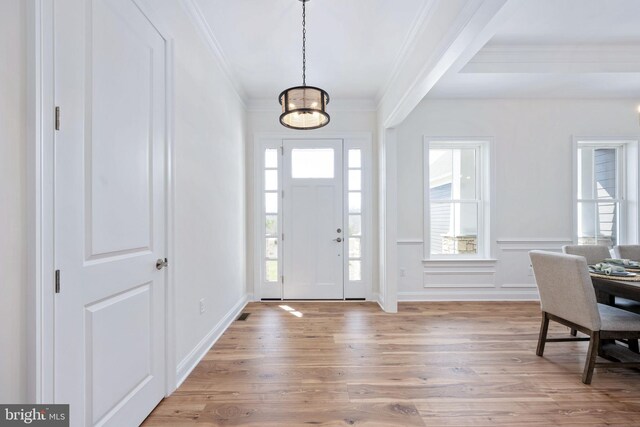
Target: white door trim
x,y
262,140
40,200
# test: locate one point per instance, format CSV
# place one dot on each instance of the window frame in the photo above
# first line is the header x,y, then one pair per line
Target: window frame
x,y
482,147
625,147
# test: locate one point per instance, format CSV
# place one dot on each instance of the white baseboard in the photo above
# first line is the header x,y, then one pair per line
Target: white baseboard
x,y
195,356
471,295
377,297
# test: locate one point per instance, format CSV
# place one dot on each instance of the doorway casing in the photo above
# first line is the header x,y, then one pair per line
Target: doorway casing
x,y
351,140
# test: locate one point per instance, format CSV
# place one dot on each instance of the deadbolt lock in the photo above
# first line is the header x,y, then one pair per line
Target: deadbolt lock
x,y
339,230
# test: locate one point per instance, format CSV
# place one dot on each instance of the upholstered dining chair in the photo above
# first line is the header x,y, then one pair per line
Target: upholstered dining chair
x,y
567,297
592,253
631,252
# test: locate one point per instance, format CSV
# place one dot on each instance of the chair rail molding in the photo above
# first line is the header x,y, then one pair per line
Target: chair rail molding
x,y
531,243
409,241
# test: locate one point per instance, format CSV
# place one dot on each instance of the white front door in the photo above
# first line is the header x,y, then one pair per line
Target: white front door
x,y
110,228
313,241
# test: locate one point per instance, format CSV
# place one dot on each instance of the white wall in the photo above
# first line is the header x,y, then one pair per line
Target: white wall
x,y
341,121
209,218
13,235
532,154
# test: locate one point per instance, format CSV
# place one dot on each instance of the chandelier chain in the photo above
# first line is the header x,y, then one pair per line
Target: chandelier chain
x,y
304,44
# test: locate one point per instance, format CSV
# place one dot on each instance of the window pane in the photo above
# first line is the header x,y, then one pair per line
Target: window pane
x,y
452,174
466,174
585,173
271,180
598,223
271,225
271,202
355,160
271,158
272,248
312,163
454,228
355,202
355,180
354,247
355,225
608,223
271,271
605,173
354,270
597,173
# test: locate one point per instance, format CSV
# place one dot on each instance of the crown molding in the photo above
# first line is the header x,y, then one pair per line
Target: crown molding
x,y
197,17
556,53
419,25
272,105
527,58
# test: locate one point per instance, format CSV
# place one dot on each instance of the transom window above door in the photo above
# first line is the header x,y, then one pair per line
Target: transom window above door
x,y
312,163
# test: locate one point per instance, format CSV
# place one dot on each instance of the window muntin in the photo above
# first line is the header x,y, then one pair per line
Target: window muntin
x,y
600,193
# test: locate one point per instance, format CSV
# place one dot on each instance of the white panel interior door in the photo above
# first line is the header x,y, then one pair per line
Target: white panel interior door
x,y
313,242
110,186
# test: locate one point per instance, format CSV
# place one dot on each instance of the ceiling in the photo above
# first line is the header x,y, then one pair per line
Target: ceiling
x,y
352,45
543,48
573,21
556,48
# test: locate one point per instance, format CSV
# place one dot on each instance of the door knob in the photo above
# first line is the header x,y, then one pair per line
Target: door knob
x,y
161,263
339,239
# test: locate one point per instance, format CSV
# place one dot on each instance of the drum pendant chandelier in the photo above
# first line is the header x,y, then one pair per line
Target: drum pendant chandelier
x,y
304,107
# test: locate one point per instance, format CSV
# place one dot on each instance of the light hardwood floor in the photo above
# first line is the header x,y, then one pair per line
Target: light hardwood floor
x,y
432,364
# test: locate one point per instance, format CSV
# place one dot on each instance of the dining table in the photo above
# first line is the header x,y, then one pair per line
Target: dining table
x,y
607,288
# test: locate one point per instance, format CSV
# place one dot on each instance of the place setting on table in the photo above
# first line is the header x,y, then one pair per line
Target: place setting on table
x,y
616,269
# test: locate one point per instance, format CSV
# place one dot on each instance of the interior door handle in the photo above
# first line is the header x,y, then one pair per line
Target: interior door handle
x,y
161,263
339,239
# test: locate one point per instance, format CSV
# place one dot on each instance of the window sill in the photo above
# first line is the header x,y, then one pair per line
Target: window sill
x,y
452,261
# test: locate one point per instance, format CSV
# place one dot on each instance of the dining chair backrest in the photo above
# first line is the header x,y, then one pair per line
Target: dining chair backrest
x,y
565,288
593,253
631,252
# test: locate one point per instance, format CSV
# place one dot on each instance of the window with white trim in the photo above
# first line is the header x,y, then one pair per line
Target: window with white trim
x,y
456,182
270,215
354,200
601,193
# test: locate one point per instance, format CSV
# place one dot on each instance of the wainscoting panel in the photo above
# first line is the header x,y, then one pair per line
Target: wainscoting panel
x,y
507,277
515,270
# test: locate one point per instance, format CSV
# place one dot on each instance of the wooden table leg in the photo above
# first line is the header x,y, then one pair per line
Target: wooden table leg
x,y
605,298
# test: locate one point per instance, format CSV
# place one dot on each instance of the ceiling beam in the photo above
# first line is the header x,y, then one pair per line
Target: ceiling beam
x,y
452,32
